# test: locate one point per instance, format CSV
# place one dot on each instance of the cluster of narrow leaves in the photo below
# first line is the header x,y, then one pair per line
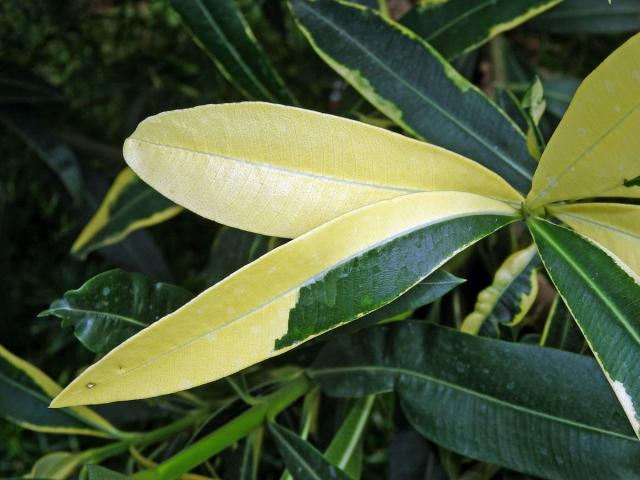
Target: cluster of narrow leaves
x,y
373,217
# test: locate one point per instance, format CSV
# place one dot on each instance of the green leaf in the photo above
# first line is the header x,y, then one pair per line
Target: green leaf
x,y
328,277
345,444
231,250
25,395
558,93
560,329
239,462
425,96
536,410
130,204
435,286
56,465
604,299
114,305
590,16
25,123
221,30
507,100
456,26
96,472
21,86
302,459
508,299
411,456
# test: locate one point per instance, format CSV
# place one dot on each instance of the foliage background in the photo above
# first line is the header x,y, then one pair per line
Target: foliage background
x,y
115,63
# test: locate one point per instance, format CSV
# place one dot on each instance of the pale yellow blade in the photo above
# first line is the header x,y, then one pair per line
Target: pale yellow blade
x,y
595,151
282,171
615,226
241,320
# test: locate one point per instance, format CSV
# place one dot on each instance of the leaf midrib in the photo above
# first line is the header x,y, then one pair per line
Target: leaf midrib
x,y
294,453
71,309
514,165
473,393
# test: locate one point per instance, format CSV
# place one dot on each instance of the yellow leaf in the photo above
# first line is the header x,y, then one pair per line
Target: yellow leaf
x,y
330,275
282,171
595,151
615,226
56,465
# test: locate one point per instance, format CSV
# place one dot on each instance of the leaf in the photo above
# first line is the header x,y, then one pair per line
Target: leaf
x,y
558,93
614,226
25,394
605,301
303,460
231,250
292,294
56,465
114,305
97,472
129,205
455,27
509,298
590,16
425,96
25,123
18,85
536,410
282,171
220,29
435,286
560,329
597,131
344,446
411,456
507,100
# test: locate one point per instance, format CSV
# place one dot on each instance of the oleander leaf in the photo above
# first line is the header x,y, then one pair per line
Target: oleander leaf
x,y
25,394
560,329
221,30
282,171
598,130
615,226
346,443
604,298
130,204
302,459
330,276
114,305
455,27
25,123
425,96
56,465
97,472
231,250
535,410
509,298
590,16
558,93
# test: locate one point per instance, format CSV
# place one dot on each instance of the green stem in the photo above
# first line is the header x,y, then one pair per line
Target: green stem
x,y
226,435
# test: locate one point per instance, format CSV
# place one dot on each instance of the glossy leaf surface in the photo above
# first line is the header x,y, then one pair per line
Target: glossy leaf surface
x,y
508,299
536,410
302,459
615,226
590,16
458,26
25,394
598,130
130,204
282,171
295,292
112,306
604,299
425,96
222,32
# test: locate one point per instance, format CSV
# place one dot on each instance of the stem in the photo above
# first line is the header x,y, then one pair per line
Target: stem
x,y
226,435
